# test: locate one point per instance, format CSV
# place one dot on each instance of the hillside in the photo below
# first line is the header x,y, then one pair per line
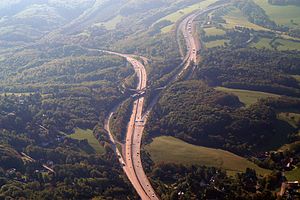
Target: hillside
x,y
217,80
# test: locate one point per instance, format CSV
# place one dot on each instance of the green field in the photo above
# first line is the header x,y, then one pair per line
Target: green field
x,y
170,149
247,97
167,29
287,147
292,118
111,24
262,43
281,14
236,18
293,175
282,44
175,16
213,31
287,45
215,43
81,134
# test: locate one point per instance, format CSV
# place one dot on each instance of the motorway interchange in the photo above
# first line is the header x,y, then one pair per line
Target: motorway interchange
x,y
131,158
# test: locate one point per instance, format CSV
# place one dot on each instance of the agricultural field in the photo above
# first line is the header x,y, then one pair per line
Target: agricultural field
x,y
173,17
293,174
287,45
247,97
235,18
292,118
262,43
81,134
213,31
167,29
287,147
283,15
280,44
111,24
215,43
170,149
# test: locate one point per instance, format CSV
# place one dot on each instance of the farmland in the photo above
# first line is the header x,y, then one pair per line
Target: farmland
x,y
187,154
292,118
215,43
247,97
213,31
287,45
293,174
283,15
175,16
235,18
81,134
112,23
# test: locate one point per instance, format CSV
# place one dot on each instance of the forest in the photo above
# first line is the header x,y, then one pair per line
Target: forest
x,y
253,69
29,128
200,182
54,81
200,115
256,14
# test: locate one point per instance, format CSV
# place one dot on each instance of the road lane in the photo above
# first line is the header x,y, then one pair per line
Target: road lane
x,y
187,27
131,163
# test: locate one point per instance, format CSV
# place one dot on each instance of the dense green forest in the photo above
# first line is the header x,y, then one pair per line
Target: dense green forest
x,y
200,115
54,82
256,14
120,119
28,124
246,68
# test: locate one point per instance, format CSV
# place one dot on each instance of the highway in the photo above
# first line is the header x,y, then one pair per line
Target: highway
x,y
131,158
131,162
188,29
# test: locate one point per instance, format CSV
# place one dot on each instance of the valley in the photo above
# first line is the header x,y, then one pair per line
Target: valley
x,y
152,99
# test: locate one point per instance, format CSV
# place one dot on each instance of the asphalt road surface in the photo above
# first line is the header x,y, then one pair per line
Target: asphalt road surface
x,y
131,162
187,27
